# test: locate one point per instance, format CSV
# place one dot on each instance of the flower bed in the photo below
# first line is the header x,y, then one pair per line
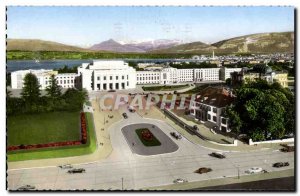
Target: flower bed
x,y
83,139
147,138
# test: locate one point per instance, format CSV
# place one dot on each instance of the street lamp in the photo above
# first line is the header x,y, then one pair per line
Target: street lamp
x,y
238,171
122,183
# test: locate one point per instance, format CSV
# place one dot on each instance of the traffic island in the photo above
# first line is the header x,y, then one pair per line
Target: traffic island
x,y
148,139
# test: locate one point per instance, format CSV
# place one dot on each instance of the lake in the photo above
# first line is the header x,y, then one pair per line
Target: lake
x,y
14,65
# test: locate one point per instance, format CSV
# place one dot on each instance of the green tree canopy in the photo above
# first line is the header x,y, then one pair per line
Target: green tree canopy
x,y
262,111
53,90
31,90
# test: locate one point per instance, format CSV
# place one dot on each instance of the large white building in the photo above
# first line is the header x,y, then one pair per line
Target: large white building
x,y
107,75
67,80
103,75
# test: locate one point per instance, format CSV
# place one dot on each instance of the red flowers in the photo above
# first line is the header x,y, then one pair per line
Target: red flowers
x,y
147,135
83,128
57,144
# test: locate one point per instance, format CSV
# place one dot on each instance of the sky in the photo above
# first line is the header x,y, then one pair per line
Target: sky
x,y
85,26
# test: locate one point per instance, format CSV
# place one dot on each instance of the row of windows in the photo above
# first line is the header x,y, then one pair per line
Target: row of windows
x,y
148,78
62,82
111,77
147,74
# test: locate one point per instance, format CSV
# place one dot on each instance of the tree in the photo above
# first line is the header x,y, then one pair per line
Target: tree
x,y
53,90
31,90
234,121
262,111
228,81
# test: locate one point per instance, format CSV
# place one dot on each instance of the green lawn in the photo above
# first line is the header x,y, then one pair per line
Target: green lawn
x,y
43,128
153,142
164,88
87,148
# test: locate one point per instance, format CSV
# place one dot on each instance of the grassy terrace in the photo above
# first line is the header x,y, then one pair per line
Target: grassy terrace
x,y
153,142
40,129
164,88
43,128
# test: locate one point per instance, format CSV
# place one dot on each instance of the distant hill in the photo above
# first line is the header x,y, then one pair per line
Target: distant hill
x,y
255,43
112,45
40,45
194,47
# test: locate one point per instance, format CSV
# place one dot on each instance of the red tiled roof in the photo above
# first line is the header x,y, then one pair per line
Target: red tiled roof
x,y
218,97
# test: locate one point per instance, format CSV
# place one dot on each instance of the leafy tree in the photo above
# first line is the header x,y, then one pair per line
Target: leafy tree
x,y
234,120
53,90
262,111
228,81
31,90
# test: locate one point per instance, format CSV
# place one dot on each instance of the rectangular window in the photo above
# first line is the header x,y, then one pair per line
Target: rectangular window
x,y
214,118
104,78
110,77
127,83
117,77
98,78
122,77
127,78
224,121
214,110
64,81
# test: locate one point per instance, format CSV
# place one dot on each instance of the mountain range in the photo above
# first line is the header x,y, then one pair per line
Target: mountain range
x,y
112,45
255,43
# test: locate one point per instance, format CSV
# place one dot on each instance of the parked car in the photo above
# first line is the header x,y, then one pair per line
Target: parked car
x,y
203,170
176,135
217,155
281,164
74,171
131,109
195,127
66,166
26,188
253,170
125,115
179,180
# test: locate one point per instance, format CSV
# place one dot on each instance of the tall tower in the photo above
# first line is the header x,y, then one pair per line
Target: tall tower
x,y
213,54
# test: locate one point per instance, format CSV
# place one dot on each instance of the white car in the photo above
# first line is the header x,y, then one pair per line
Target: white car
x,y
66,166
253,170
179,180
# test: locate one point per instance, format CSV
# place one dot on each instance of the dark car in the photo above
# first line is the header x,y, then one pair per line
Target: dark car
x,y
203,170
281,164
125,115
217,155
26,188
111,91
74,171
176,135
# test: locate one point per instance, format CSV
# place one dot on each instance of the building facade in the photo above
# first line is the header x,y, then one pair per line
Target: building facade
x,y
107,75
209,106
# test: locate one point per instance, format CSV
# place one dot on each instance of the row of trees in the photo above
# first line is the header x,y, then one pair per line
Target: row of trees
x,y
31,100
262,111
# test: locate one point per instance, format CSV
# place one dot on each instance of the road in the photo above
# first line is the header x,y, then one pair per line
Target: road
x,y
140,171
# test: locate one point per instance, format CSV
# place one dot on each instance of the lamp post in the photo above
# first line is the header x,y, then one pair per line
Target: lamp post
x,y
238,169
122,183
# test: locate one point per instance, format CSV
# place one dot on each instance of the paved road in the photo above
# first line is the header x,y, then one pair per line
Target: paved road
x,y
140,171
278,184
